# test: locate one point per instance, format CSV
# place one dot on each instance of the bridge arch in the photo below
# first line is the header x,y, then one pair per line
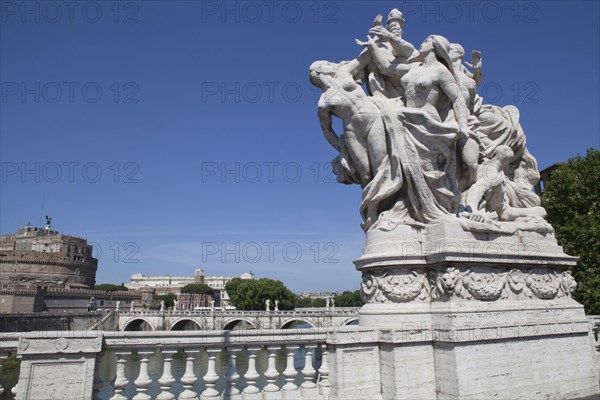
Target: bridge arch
x,y
230,324
138,324
289,323
351,321
185,324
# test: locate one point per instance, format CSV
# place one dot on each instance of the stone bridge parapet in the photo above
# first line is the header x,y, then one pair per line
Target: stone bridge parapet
x,y
229,319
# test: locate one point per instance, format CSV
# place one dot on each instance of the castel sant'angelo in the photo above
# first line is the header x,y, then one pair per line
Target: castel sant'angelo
x,y
42,257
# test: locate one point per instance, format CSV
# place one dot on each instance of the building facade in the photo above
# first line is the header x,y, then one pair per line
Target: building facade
x,y
164,284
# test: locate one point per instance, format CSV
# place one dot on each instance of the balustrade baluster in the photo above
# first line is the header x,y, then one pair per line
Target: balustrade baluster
x,y
308,387
290,372
2,358
143,380
166,380
15,389
232,392
324,385
189,378
252,374
211,377
271,373
121,381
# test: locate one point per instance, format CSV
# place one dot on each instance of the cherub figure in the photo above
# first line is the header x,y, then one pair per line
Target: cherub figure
x,y
490,186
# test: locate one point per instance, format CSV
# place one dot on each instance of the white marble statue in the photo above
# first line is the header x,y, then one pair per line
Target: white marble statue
x,y
175,305
417,137
162,306
267,305
327,303
276,305
117,306
455,236
131,306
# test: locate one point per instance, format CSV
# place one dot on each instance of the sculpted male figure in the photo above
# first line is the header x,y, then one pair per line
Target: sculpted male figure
x,y
364,132
394,48
469,80
490,186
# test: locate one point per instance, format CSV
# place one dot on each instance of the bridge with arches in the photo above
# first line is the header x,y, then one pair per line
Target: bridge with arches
x,y
232,320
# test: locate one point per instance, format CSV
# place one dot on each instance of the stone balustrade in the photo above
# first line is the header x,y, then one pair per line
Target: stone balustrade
x,y
82,355
218,319
334,363
213,385
339,311
596,329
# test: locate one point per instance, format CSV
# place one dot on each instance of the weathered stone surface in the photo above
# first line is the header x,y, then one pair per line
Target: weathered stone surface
x,y
55,365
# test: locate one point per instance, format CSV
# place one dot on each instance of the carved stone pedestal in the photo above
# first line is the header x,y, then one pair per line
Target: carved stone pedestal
x,y
55,366
475,315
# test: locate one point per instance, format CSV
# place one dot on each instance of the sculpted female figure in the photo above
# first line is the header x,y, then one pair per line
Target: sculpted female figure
x,y
423,137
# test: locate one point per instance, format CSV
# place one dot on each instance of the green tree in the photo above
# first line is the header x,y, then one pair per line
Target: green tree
x,y
305,302
572,199
168,298
109,287
198,288
250,294
319,303
349,299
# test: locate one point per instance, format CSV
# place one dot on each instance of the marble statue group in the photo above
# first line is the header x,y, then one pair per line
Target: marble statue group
x,y
421,143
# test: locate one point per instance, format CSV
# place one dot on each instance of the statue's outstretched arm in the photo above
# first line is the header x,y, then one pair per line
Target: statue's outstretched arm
x,y
477,65
452,89
359,63
401,47
326,125
476,193
386,68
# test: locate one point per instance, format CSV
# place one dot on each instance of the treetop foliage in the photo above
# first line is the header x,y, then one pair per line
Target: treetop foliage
x,y
109,287
198,288
572,199
251,294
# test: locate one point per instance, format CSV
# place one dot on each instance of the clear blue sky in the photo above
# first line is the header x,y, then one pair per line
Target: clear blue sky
x,y
120,122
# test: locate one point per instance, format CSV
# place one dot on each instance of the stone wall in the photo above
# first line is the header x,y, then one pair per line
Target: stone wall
x,y
48,322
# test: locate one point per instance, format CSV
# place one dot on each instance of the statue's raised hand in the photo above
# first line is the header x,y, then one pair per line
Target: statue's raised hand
x,y
382,33
378,20
475,59
370,42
